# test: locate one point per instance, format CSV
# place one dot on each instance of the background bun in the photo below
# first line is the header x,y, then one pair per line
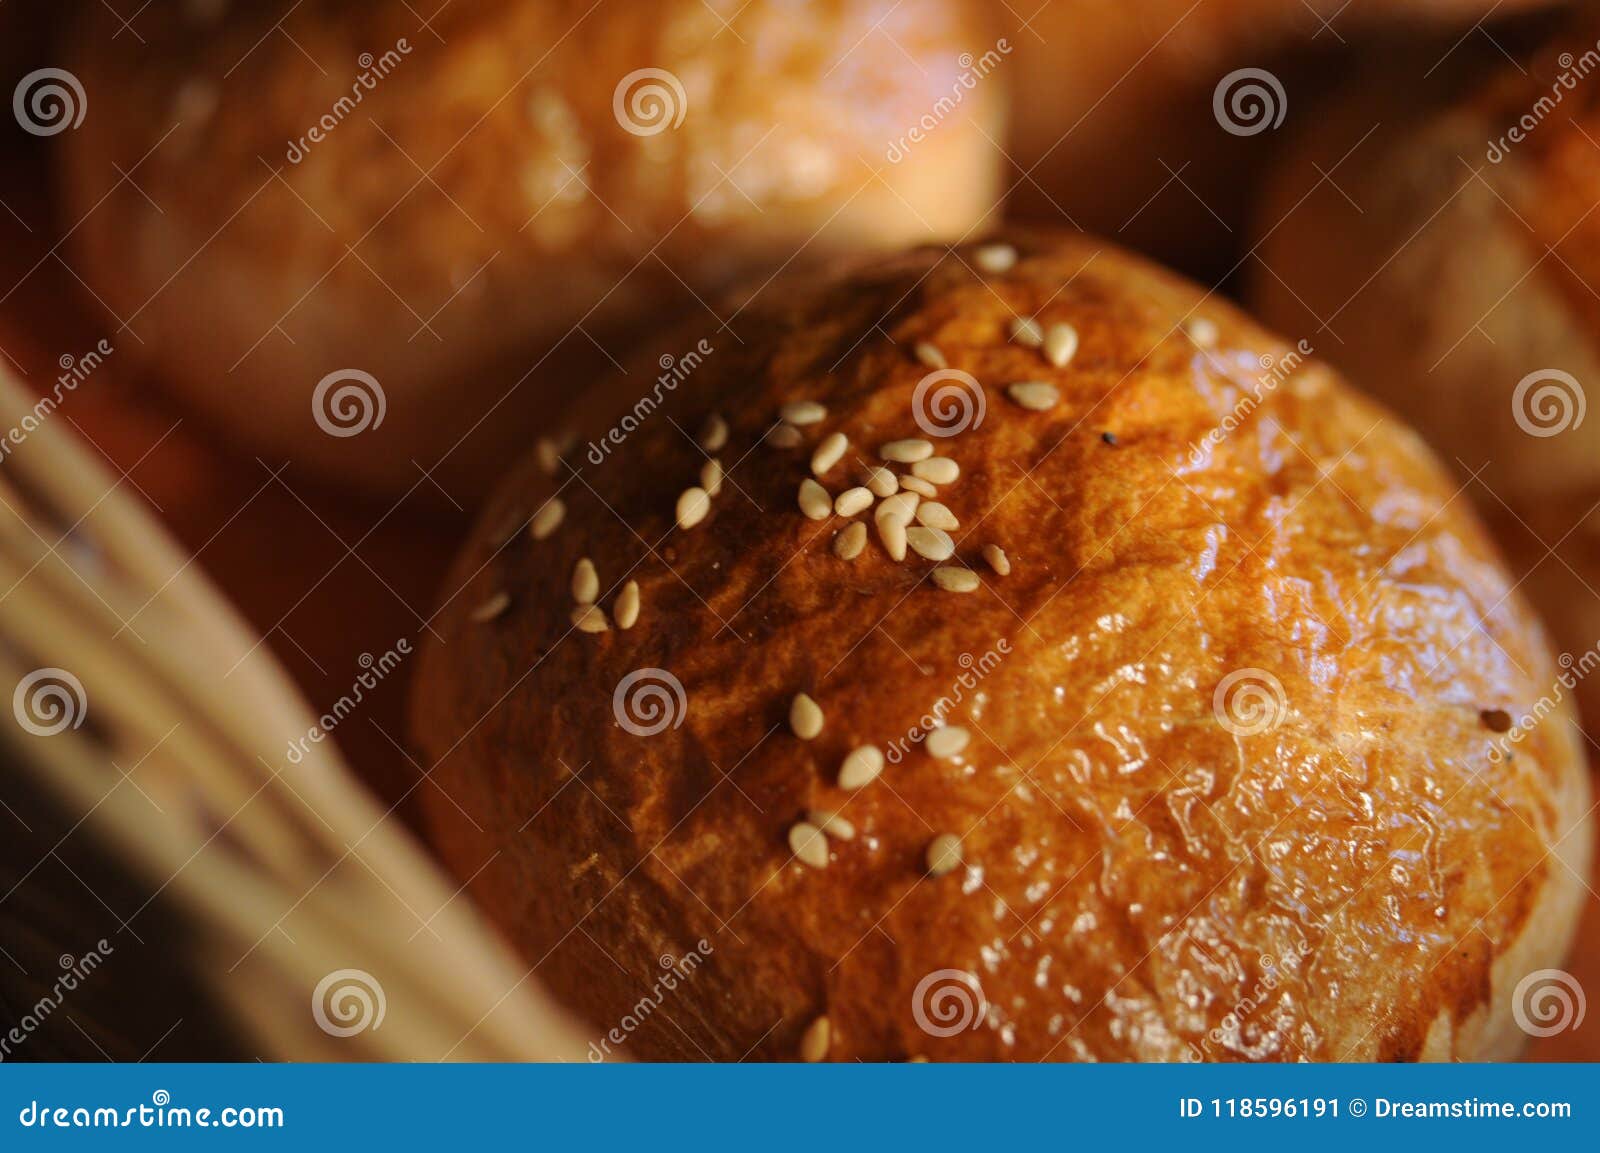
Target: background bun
x,y
1447,267
1218,750
1115,123
481,211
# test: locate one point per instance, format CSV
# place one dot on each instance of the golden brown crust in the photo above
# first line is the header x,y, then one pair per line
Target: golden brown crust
x,y
443,207
1450,265
1327,878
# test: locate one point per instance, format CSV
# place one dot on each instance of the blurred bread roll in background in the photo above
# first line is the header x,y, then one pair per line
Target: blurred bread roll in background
x,y
479,210
1437,237
1116,129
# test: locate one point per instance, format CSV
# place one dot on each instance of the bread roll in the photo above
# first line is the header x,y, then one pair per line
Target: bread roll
x,y
1445,265
479,211
1197,700
1117,124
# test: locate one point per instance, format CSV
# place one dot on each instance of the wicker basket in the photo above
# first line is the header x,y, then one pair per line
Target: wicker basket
x,y
249,907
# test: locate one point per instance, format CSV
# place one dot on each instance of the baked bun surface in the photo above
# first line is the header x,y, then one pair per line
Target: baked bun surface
x,y
1220,748
1450,274
484,209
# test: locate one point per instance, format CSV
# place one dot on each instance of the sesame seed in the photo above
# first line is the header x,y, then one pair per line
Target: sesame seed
x,y
589,619
906,451
832,824
711,476
937,470
1027,331
946,741
814,500
549,454
548,518
585,582
828,452
814,1044
848,544
882,481
713,433
1110,438
808,844
944,854
1060,344
784,436
1202,331
627,606
956,580
802,412
919,486
931,543
892,532
693,505
491,608
1036,395
861,767
995,258
852,500
935,515
930,356
996,556
902,506
805,717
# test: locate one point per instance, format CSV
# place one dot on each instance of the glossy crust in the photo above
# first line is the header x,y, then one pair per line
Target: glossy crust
x,y
1338,872
1466,271
1114,119
473,218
